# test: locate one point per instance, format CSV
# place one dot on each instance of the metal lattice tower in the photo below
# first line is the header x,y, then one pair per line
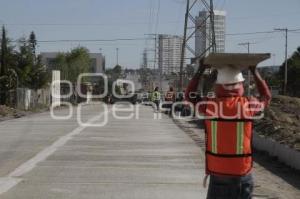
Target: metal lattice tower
x,y
189,32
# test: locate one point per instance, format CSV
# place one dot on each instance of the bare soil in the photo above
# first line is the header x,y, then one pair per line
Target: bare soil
x,y
282,121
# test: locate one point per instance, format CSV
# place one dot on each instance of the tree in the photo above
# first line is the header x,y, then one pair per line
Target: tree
x,y
31,72
3,51
25,63
3,66
7,64
72,64
20,68
39,75
61,64
293,83
114,73
78,62
32,42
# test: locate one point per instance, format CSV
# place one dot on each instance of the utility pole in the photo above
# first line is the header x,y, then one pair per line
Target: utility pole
x,y
160,65
155,51
212,22
117,55
249,73
285,65
145,59
156,63
206,5
183,44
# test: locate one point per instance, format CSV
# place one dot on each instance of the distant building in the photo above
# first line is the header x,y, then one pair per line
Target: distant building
x,y
169,51
97,61
203,33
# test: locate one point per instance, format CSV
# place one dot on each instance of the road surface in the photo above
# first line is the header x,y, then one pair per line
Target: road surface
x,y
142,158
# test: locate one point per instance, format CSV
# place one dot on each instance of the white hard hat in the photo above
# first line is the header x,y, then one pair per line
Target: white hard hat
x,y
229,75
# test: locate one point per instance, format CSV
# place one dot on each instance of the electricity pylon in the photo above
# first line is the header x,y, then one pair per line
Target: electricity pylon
x,y
189,32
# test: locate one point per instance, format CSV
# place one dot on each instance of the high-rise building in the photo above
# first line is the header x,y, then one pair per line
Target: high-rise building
x,y
169,51
203,33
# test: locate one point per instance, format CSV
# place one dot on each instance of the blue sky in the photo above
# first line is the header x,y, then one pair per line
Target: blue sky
x,y
102,19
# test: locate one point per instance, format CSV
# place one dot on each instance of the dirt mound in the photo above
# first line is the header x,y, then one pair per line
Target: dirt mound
x,y
282,121
8,112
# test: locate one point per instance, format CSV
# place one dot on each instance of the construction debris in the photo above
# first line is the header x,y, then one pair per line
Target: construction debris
x,y
282,121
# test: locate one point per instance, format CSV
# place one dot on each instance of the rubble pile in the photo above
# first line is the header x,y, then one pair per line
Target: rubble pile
x,y
281,121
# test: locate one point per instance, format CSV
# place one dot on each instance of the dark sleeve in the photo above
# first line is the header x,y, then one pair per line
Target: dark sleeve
x,y
192,87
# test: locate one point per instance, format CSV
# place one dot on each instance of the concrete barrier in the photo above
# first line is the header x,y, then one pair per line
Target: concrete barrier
x,y
287,155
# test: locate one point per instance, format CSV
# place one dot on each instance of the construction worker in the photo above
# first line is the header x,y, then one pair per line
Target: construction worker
x,y
170,95
170,98
228,131
156,97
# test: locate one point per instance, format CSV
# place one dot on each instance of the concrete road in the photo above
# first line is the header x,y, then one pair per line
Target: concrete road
x,y
137,158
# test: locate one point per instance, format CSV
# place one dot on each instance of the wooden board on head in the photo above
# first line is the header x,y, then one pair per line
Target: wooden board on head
x,y
239,61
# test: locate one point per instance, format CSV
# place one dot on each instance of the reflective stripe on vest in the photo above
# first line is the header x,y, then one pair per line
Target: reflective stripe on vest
x,y
155,95
228,138
239,137
231,157
214,142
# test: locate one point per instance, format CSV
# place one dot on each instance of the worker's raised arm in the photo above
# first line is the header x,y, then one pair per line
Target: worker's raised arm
x,y
262,87
193,84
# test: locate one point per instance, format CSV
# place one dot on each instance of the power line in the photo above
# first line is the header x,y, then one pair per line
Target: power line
x,y
259,32
143,38
251,33
155,55
85,24
256,40
89,40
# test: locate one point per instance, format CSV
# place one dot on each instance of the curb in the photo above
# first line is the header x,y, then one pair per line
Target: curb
x,y
287,155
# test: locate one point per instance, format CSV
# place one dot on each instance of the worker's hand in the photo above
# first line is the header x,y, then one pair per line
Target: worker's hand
x,y
201,67
252,69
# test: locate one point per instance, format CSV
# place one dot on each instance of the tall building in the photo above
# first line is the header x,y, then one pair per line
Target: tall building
x,y
97,61
169,51
203,33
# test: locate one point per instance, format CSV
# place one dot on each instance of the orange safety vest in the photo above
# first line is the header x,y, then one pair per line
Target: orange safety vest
x,y
170,96
228,140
